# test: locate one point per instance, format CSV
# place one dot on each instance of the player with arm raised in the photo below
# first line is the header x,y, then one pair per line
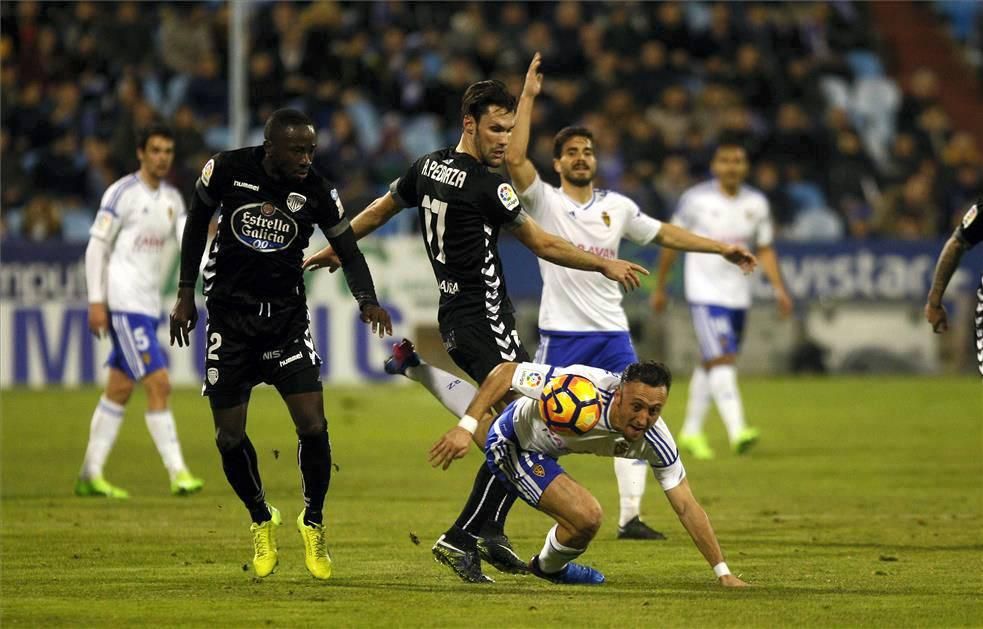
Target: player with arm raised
x,y
719,295
269,198
463,206
968,234
138,215
581,319
522,451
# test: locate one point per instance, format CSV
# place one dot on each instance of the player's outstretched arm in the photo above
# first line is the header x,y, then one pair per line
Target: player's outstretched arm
x,y
946,265
368,220
456,441
675,237
521,170
769,264
554,249
184,316
360,283
697,524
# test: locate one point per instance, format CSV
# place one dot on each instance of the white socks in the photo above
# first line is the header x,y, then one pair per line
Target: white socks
x,y
455,394
162,429
555,555
106,420
698,403
631,486
723,387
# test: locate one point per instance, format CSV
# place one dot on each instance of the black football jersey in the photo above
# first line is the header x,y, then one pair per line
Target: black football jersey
x,y
970,230
264,226
462,206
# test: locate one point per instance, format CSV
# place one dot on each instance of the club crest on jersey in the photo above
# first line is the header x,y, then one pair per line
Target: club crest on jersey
x,y
263,227
206,172
970,216
212,374
538,470
507,196
606,218
295,201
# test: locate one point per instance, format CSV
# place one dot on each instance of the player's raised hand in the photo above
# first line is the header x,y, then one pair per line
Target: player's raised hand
x,y
736,254
378,318
98,320
184,317
324,259
453,445
938,317
659,300
624,273
534,78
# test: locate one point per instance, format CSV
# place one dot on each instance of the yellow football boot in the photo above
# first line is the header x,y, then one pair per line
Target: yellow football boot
x,y
316,555
266,558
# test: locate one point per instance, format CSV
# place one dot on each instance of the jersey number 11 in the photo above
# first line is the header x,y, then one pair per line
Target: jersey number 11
x,y
434,220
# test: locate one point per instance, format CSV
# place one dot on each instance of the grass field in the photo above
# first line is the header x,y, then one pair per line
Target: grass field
x,y
863,506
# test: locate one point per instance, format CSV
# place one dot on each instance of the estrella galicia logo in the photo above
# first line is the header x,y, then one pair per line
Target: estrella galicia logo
x,y
263,227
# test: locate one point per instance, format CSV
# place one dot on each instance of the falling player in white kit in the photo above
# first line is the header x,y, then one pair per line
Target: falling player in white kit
x,y
581,319
139,214
726,209
522,452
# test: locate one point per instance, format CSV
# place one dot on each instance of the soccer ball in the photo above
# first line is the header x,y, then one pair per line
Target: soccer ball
x,y
570,405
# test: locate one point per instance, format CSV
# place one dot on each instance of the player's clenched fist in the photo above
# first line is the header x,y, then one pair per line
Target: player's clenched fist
x,y
624,273
183,317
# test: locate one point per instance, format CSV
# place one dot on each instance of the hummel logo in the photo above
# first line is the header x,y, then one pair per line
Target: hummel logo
x,y
249,186
446,161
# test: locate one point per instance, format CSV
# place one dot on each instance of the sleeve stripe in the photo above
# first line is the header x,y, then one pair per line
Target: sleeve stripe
x,y
400,201
124,185
338,229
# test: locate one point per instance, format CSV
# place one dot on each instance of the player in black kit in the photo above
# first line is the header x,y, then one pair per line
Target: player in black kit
x,y
968,234
270,198
462,207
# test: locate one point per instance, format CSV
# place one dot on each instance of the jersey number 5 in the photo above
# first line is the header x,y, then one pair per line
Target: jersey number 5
x,y
434,220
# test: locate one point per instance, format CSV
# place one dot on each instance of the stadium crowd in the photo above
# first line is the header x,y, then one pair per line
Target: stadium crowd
x,y
839,147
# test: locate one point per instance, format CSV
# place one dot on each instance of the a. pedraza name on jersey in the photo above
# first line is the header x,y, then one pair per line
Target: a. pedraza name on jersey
x,y
444,174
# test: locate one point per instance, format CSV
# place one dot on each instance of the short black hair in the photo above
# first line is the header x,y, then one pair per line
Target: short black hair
x,y
282,118
481,96
158,129
565,134
650,372
730,141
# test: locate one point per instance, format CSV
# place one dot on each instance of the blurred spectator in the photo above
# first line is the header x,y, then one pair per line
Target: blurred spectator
x,y
659,83
42,219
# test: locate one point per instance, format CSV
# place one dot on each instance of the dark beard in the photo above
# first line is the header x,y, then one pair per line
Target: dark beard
x,y
579,181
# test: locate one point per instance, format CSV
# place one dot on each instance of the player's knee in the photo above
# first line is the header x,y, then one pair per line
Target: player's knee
x,y
159,388
119,390
589,519
311,425
228,439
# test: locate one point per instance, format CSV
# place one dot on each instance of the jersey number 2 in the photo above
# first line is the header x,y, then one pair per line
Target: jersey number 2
x,y
435,223
215,342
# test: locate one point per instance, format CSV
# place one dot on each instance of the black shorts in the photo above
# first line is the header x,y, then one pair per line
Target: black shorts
x,y
478,347
252,343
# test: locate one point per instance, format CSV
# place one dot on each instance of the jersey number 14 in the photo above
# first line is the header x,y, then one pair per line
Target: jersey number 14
x,y
435,221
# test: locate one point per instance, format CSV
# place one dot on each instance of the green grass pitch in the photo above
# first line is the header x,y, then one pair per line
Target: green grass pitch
x,y
862,506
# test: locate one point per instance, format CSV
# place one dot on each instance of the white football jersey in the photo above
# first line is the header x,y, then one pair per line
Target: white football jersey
x,y
584,301
656,447
136,222
744,220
